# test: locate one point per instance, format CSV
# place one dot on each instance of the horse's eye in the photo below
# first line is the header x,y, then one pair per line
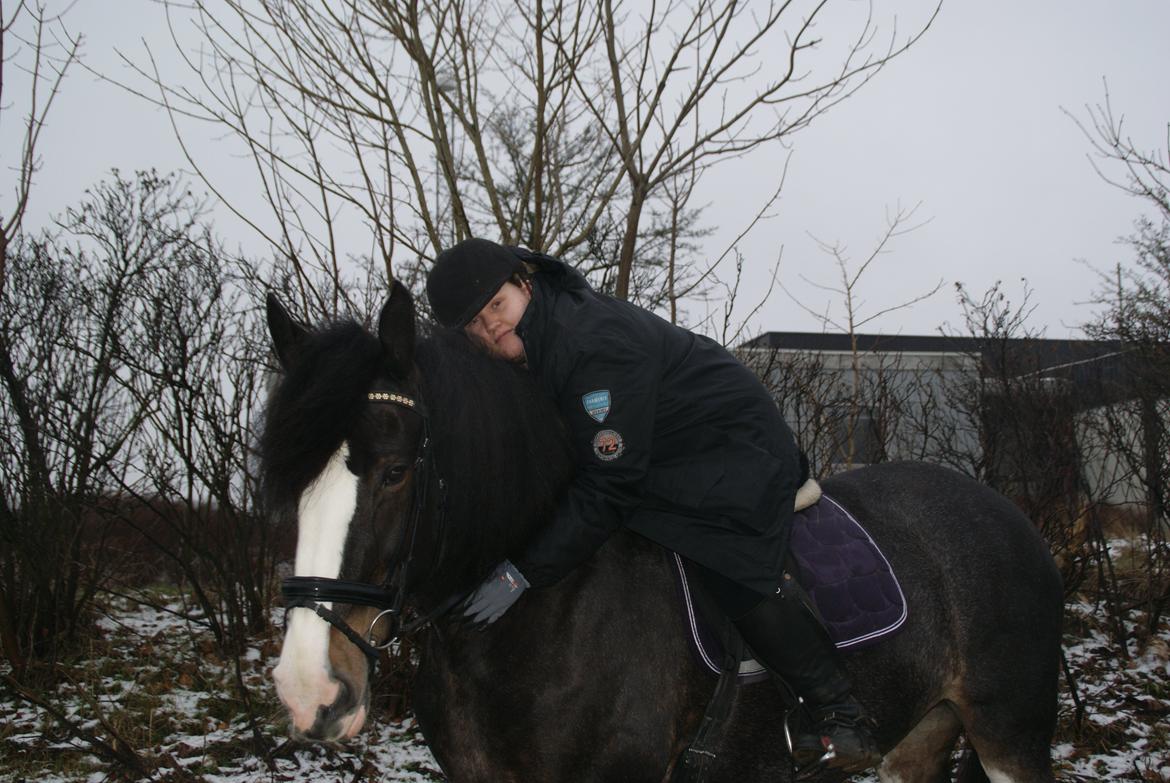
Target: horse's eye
x,y
393,475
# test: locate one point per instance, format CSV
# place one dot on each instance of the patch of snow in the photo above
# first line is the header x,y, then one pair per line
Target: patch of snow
x,y
1124,733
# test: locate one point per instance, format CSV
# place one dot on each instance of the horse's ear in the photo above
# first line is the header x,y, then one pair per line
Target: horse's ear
x,y
396,330
287,334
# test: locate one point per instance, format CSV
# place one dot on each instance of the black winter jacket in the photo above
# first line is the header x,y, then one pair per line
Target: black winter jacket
x,y
673,437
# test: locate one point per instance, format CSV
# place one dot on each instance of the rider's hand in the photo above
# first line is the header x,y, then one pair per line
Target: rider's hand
x,y
492,598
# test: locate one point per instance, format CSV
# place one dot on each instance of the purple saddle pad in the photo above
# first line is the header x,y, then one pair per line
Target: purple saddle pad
x,y
845,574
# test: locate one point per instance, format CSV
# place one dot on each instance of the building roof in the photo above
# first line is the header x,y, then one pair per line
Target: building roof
x,y
1096,368
1054,352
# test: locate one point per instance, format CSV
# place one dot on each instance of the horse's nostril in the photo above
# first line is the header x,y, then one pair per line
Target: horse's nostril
x,y
332,719
344,691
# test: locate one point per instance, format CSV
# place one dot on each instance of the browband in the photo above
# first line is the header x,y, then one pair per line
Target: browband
x,y
392,397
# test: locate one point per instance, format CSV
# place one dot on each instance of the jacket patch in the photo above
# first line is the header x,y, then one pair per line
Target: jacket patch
x,y
608,445
597,404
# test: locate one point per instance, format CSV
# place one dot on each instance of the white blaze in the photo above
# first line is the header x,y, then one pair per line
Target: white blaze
x,y
323,518
303,677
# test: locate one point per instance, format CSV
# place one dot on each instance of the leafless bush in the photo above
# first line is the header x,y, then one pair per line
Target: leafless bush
x,y
996,402
1134,302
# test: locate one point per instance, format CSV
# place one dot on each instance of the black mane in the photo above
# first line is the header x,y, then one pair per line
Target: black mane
x,y
499,445
314,407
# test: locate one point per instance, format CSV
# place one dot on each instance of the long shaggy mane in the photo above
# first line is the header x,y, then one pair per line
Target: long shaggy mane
x,y
498,444
314,407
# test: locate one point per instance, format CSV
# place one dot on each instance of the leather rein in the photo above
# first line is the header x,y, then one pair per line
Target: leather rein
x,y
313,592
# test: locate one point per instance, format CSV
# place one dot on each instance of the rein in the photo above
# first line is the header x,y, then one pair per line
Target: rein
x,y
313,592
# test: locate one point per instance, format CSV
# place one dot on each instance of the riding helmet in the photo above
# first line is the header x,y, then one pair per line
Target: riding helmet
x,y
467,275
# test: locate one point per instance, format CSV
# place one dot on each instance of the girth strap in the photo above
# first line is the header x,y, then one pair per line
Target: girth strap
x,y
699,758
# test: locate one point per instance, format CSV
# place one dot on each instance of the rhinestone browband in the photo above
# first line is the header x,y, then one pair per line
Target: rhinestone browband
x,y
391,397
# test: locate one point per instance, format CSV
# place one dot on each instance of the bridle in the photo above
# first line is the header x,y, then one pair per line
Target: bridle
x,y
312,592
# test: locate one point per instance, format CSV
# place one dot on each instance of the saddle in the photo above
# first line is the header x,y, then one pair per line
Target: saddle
x,y
844,572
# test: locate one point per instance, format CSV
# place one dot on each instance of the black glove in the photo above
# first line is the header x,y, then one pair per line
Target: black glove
x,y
492,598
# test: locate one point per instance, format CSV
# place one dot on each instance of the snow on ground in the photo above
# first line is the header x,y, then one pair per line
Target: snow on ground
x,y
162,687
156,678
1125,730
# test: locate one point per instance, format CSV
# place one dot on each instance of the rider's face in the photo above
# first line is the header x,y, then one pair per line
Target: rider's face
x,y
495,325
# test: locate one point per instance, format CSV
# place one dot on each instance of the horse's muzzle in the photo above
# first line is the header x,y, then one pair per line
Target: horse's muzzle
x,y
337,722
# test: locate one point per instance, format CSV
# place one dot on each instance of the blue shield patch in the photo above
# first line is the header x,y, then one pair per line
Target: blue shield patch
x,y
596,404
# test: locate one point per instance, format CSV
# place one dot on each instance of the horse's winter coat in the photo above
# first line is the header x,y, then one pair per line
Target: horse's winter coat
x,y
591,679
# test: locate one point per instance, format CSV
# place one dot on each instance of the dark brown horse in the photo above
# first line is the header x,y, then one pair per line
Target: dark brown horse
x,y
417,465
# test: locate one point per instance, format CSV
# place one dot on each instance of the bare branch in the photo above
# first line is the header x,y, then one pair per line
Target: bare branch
x,y
1145,172
50,62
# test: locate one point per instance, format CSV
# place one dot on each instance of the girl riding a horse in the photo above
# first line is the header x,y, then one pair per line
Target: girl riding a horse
x,y
673,439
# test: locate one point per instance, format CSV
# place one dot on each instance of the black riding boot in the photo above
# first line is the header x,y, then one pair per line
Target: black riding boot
x,y
787,637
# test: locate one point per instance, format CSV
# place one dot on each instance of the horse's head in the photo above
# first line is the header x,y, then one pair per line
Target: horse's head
x,y
343,449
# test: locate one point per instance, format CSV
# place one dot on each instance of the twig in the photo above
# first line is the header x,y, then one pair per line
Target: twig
x,y
117,751
1079,713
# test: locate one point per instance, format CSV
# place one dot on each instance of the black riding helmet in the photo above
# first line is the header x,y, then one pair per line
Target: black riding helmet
x,y
465,276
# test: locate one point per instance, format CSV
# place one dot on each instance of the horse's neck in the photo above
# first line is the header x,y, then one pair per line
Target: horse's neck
x,y
627,586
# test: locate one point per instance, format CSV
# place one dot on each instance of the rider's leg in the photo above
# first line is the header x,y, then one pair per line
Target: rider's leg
x,y
787,637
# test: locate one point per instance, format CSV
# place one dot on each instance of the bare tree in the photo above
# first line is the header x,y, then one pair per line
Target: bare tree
x,y
142,369
1026,407
805,391
564,126
64,323
195,363
41,48
1124,163
1134,310
870,414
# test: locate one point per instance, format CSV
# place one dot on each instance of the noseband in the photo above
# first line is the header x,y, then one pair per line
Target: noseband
x,y
312,592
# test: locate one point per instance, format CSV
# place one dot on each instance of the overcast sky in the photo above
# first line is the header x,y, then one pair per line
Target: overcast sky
x,y
969,123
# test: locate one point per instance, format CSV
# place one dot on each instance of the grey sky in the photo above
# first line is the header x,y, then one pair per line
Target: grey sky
x,y
969,123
